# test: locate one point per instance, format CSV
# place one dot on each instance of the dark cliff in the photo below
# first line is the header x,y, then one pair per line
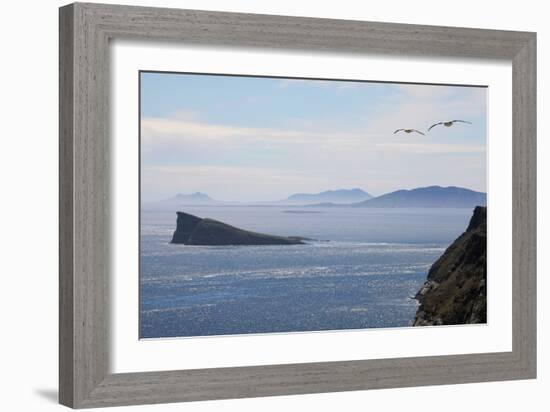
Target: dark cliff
x,y
456,289
193,230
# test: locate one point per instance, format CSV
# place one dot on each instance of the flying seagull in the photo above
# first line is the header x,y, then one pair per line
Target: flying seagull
x,y
408,131
448,124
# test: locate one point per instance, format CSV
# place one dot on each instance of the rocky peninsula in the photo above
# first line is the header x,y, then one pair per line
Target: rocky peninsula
x,y
193,230
456,288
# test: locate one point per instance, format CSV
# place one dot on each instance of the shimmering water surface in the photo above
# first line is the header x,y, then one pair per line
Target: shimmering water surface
x,y
359,273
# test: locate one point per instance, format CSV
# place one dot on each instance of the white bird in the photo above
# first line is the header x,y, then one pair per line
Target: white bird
x,y
448,123
408,131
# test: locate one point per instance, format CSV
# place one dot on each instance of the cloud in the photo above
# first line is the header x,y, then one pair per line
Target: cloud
x,y
374,172
173,134
185,152
419,106
430,148
231,183
167,129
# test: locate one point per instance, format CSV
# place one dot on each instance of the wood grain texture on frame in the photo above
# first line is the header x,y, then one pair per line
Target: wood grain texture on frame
x,y
85,31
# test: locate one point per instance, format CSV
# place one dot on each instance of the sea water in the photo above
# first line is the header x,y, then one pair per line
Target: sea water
x,y
360,271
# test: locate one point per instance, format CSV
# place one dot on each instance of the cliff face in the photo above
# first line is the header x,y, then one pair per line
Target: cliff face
x,y
192,230
456,289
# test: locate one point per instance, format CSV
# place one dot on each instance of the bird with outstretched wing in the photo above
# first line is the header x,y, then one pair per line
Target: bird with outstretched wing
x,y
448,123
408,131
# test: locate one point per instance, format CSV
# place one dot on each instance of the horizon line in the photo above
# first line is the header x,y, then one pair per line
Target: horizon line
x,y
214,198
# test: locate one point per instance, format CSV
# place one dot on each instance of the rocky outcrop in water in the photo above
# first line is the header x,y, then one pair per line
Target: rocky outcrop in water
x,y
456,289
193,230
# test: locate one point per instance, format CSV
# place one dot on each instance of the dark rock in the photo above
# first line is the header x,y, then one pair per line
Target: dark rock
x,y
193,230
185,226
456,289
478,218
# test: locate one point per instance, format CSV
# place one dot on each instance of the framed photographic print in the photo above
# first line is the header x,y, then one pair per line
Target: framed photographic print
x,y
258,205
284,159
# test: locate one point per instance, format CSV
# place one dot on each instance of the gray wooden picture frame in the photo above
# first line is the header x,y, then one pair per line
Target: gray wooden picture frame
x,y
85,32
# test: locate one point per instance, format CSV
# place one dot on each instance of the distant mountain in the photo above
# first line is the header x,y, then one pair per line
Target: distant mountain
x,y
432,196
342,196
196,198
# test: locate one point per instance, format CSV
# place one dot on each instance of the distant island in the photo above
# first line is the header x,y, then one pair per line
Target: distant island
x,y
341,196
193,230
428,197
431,196
192,199
456,289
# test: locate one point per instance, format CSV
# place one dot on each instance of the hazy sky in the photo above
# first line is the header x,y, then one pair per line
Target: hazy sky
x,y
244,138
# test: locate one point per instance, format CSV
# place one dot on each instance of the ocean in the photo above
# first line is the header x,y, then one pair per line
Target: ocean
x,y
361,270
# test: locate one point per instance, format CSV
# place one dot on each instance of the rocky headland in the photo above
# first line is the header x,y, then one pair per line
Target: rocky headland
x,y
455,291
193,230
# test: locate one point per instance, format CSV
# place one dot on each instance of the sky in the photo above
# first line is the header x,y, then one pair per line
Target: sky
x,y
240,138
